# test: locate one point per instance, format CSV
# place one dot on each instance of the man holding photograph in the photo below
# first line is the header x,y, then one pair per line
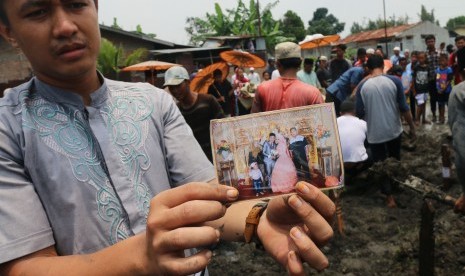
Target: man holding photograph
x,y
95,179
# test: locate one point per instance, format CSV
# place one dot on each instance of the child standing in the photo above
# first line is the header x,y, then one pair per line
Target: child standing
x,y
420,87
257,178
444,76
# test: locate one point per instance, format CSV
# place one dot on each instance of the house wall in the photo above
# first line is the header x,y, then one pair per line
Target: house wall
x,y
419,31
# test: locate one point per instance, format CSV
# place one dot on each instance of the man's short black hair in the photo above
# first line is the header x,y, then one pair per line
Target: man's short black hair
x,y
272,134
402,59
293,128
309,61
428,37
217,73
460,37
375,61
290,63
347,106
343,47
361,52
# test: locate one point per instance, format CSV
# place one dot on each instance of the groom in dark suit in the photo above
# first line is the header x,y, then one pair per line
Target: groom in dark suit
x,y
297,145
269,156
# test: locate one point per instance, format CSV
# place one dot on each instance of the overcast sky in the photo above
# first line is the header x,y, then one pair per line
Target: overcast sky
x,y
167,19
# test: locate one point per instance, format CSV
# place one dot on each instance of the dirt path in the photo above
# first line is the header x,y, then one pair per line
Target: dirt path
x,y
378,241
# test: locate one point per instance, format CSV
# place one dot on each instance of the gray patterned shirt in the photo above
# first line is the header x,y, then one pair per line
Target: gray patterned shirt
x,y
81,178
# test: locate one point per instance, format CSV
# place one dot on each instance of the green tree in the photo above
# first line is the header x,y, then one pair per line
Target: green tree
x,y
427,16
293,26
324,23
455,22
112,58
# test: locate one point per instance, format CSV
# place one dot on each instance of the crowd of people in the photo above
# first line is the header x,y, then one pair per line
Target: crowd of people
x,y
101,177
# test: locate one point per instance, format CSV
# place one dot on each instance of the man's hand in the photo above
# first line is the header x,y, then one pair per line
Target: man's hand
x,y
173,225
292,228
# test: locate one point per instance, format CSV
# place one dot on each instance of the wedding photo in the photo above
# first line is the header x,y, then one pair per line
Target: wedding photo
x,y
266,154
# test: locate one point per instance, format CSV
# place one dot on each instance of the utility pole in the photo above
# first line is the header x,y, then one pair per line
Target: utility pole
x,y
385,30
259,19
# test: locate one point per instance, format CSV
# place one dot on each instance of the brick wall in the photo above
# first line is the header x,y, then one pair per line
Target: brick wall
x,y
13,64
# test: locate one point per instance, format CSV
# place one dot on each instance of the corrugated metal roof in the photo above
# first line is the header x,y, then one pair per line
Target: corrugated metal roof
x,y
377,34
184,50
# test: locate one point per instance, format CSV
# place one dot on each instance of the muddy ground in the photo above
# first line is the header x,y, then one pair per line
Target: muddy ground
x,y
378,240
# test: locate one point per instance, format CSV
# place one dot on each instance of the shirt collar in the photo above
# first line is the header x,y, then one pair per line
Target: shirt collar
x,y
59,95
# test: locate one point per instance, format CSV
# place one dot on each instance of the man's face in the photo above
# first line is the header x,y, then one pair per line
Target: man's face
x,y
406,55
396,52
339,53
430,44
323,63
179,91
61,39
308,68
460,44
272,139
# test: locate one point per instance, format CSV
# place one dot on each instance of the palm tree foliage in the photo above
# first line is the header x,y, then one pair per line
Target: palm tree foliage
x,y
242,20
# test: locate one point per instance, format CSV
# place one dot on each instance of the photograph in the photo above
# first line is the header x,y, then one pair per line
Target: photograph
x,y
266,154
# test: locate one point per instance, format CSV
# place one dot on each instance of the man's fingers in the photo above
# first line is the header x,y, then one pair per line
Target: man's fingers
x,y
294,265
188,213
187,266
188,237
323,204
307,250
194,191
320,231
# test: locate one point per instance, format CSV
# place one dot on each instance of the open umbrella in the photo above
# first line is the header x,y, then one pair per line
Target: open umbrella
x,y
204,78
317,40
150,65
242,59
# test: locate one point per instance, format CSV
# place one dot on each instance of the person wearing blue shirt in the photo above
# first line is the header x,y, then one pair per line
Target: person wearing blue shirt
x,y
339,90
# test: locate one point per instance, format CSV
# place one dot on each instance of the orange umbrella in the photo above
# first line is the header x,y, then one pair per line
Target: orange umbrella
x,y
317,40
150,65
202,81
242,59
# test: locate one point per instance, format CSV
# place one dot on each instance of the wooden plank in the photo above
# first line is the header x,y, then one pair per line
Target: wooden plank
x,y
426,256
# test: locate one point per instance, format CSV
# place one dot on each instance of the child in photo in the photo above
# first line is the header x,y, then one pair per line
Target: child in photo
x,y
421,87
444,77
257,178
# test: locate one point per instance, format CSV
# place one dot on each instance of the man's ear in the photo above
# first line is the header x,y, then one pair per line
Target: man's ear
x,y
5,32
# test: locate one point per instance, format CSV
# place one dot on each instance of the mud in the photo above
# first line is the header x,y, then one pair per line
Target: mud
x,y
377,240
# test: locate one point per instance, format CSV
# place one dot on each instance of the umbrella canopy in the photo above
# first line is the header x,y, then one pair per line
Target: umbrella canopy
x,y
242,59
150,65
317,40
202,81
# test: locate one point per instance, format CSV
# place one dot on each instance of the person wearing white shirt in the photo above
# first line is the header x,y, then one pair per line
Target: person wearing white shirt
x,y
254,77
353,133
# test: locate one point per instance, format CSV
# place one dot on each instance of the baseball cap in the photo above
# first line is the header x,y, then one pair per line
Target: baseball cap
x,y
252,69
323,58
287,50
396,48
175,76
